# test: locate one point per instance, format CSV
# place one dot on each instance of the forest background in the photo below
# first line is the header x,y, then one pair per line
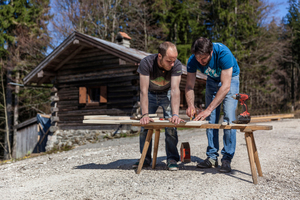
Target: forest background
x,y
267,50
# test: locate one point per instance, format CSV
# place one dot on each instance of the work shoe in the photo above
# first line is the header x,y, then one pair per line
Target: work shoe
x,y
136,165
172,165
225,168
208,163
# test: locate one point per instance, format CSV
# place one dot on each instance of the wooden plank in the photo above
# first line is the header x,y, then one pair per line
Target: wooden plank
x,y
137,122
108,61
53,109
156,142
87,58
85,54
271,118
146,146
281,116
106,117
26,123
44,136
237,126
96,76
196,124
54,98
88,68
97,73
251,156
99,81
45,116
54,119
255,153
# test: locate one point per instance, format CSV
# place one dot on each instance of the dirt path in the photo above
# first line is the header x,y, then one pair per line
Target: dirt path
x,y
103,171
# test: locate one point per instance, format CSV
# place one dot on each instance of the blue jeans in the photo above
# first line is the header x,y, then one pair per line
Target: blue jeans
x,y
163,100
229,106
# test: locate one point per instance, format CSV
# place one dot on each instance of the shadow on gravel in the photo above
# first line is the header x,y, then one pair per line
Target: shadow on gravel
x,y
234,173
126,164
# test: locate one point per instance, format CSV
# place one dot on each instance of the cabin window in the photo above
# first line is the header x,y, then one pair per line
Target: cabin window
x,y
93,95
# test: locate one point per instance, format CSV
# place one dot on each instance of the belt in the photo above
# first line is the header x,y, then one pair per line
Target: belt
x,y
159,92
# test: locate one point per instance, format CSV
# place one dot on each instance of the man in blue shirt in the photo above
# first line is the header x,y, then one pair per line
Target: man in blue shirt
x,y
218,63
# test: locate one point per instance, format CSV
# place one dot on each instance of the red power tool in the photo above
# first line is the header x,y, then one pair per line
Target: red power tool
x,y
245,117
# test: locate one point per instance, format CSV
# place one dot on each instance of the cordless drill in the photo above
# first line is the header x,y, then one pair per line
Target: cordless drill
x,y
243,118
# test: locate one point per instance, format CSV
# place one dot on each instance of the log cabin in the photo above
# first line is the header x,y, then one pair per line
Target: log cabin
x,y
91,76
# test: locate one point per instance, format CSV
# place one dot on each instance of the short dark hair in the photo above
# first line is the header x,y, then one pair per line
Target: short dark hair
x,y
163,47
201,46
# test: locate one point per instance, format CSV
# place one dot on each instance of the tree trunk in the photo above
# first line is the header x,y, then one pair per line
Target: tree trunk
x,y
8,116
145,35
293,89
113,28
235,31
16,112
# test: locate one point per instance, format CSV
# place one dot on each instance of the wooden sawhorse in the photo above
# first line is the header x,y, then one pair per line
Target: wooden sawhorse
x,y
247,129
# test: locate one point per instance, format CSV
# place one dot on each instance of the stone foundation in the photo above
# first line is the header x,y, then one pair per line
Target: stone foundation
x,y
61,138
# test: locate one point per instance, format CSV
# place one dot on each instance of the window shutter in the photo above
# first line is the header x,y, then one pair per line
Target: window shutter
x,y
82,94
103,94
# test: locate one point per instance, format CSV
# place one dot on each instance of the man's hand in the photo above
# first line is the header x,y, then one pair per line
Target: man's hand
x,y
175,119
202,115
145,120
190,111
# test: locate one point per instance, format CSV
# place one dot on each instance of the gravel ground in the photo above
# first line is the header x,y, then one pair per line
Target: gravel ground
x,y
103,171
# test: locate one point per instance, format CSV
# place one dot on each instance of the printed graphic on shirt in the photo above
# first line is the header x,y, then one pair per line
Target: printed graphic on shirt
x,y
160,81
212,72
159,78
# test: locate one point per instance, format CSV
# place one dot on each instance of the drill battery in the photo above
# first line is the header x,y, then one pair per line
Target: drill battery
x,y
185,152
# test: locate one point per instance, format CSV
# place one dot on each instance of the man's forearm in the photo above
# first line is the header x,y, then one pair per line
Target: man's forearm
x,y
189,96
221,94
175,101
144,102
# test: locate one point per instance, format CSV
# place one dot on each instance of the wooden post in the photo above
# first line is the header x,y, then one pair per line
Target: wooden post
x,y
146,146
256,159
251,155
156,141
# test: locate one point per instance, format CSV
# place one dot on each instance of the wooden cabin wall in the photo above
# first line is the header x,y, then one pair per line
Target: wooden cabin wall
x,y
90,68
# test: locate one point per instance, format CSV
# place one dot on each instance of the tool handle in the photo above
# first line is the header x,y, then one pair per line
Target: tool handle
x,y
245,107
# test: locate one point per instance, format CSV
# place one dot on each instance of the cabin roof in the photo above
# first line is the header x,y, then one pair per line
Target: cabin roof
x,y
72,45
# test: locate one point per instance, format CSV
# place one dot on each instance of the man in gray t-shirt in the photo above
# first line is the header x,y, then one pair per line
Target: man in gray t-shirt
x,y
160,76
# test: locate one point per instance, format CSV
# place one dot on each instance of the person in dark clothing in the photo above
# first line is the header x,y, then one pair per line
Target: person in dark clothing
x,y
160,76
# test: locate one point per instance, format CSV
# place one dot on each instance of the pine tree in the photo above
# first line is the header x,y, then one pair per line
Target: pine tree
x,y
23,43
293,25
182,22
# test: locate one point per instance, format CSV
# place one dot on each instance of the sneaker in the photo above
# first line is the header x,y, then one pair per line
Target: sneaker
x,y
225,168
172,165
208,163
136,165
